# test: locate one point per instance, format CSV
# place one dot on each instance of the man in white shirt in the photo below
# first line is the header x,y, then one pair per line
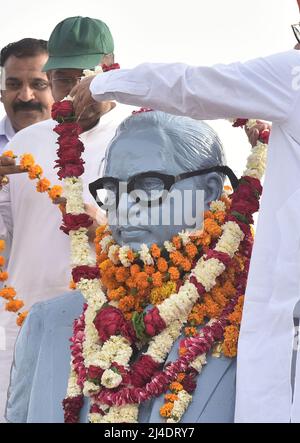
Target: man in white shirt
x,y
266,88
39,264
25,90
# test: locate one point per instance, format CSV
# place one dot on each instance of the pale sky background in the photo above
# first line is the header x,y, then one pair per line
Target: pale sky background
x,y
197,32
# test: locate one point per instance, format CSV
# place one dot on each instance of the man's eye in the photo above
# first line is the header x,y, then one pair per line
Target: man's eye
x,y
13,85
40,84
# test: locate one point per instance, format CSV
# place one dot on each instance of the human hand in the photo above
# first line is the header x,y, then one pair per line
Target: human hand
x,y
254,132
8,166
87,110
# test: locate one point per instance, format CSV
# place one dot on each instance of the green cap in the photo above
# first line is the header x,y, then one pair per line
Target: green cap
x,y
78,43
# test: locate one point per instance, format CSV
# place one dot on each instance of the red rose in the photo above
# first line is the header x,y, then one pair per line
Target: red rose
x,y
200,288
110,321
74,222
68,128
240,122
153,322
94,373
69,157
189,384
264,136
87,272
143,371
255,184
245,207
95,409
62,109
106,68
70,141
70,171
72,407
221,256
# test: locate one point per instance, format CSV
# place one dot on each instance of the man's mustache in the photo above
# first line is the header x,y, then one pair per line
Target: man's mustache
x,y
27,106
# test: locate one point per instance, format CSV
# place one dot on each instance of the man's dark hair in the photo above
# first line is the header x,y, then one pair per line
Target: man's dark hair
x,y
27,47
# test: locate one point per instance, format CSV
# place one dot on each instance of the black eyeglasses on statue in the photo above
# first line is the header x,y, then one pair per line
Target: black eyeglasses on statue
x,y
296,30
148,187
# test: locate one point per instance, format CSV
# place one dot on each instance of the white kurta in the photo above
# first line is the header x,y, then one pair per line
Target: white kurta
x,y
39,264
266,88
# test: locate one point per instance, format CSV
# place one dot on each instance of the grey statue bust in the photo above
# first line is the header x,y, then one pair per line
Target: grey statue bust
x,y
156,142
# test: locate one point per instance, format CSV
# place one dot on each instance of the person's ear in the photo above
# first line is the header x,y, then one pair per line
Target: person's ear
x,y
213,187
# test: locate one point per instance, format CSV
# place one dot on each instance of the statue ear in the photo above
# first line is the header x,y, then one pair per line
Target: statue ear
x,y
213,187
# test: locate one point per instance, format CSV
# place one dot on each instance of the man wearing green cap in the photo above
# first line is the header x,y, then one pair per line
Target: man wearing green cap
x,y
39,264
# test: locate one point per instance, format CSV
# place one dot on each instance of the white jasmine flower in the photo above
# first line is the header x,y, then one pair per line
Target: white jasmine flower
x,y
111,379
145,255
123,256
169,247
216,206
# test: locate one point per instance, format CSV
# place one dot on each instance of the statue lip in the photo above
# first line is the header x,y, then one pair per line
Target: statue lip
x,y
131,231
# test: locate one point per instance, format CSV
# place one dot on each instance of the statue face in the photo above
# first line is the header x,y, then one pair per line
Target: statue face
x,y
133,224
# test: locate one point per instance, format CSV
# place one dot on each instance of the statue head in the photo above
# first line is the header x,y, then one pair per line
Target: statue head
x,y
152,156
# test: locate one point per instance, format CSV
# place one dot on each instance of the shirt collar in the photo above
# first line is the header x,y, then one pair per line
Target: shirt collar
x,y
6,128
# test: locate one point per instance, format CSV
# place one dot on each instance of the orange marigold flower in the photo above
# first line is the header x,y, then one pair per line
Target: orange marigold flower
x,y
186,265
134,269
21,317
9,154
100,230
162,265
208,214
2,245
130,255
149,269
231,336
176,387
142,280
2,260
3,276
177,258
212,228
171,397
14,305
128,315
180,377
35,171
117,294
190,332
220,217
72,285
126,303
176,240
155,251
8,293
191,250
157,280
182,351
26,161
205,239
166,410
43,185
121,274
55,192
174,273
228,289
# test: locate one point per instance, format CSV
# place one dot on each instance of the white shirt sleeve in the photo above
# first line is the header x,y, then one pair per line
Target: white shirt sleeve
x,y
262,88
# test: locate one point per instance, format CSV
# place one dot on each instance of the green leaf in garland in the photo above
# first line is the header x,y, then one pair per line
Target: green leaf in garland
x,y
242,218
139,326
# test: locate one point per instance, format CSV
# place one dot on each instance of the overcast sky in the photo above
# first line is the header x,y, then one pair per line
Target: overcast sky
x,y
192,31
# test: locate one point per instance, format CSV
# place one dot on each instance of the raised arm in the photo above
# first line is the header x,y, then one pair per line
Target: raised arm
x,y
264,88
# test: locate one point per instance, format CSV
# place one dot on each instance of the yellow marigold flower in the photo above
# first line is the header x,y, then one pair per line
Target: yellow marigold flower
x,y
26,161
155,251
14,305
176,387
55,192
8,293
105,265
34,172
3,276
162,265
2,245
21,317
43,185
166,410
9,154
